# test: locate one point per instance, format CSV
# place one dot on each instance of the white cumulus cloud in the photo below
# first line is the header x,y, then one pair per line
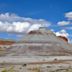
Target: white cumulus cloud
x,y
34,27
62,23
62,33
68,15
10,17
20,26
13,23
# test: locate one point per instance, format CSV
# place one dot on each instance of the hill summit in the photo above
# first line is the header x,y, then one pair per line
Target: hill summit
x,y
44,42
41,42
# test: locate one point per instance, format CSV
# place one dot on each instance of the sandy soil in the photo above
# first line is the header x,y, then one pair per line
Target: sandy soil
x,y
36,64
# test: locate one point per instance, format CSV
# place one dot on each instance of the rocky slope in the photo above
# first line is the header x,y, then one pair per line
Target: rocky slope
x,y
42,42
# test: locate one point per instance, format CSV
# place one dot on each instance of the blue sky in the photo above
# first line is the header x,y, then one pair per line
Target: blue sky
x,y
57,12
52,10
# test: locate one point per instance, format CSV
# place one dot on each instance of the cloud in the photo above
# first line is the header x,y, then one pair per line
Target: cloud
x,y
34,27
10,17
52,30
68,15
13,27
20,26
62,23
62,33
13,23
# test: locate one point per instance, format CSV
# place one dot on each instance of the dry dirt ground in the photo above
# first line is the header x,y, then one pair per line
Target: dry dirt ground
x,y
36,68
52,66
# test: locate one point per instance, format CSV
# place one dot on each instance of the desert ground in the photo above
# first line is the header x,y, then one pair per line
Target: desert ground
x,y
36,64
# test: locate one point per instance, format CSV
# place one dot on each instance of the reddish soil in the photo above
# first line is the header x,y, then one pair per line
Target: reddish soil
x,y
64,38
2,42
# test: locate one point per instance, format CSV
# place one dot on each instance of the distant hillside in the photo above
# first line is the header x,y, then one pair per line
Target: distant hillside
x,y
42,42
6,42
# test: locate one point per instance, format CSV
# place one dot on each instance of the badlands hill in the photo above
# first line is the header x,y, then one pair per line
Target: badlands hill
x,y
40,42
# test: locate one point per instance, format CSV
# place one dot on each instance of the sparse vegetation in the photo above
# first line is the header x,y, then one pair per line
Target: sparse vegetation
x,y
36,69
11,69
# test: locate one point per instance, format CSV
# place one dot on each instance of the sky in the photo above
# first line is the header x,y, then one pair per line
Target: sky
x,y
17,17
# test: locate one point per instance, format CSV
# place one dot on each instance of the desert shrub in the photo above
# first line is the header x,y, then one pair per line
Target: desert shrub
x,y
11,69
4,70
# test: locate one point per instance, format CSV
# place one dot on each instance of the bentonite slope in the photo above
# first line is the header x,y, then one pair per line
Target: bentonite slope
x,y
40,42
